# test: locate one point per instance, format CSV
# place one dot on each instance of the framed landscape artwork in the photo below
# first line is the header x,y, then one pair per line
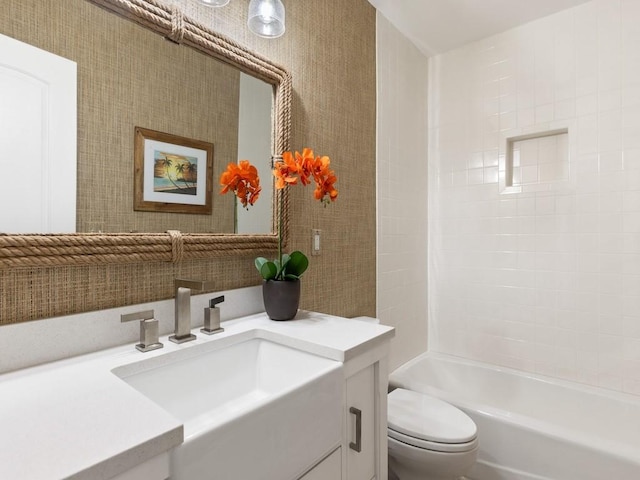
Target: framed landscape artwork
x,y
172,173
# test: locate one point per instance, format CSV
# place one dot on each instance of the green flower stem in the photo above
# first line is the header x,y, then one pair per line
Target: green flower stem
x,y
280,226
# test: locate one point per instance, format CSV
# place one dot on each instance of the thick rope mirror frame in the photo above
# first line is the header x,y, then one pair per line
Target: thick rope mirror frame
x,y
48,250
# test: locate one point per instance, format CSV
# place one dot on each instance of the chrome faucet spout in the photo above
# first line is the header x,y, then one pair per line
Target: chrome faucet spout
x,y
183,307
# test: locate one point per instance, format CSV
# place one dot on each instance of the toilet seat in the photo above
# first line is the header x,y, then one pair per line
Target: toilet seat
x,y
426,422
435,446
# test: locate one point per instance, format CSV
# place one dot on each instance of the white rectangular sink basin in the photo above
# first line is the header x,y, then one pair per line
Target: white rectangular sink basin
x,y
251,399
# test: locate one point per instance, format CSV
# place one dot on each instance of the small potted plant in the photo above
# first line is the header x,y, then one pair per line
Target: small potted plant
x,y
281,285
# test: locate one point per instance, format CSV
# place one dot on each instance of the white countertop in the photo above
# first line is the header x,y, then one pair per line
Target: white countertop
x,y
75,419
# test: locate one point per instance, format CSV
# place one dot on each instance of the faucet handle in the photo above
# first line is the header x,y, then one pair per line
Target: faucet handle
x,y
212,317
149,329
215,301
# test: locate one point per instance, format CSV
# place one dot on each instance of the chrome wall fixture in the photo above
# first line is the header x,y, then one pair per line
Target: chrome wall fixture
x,y
266,17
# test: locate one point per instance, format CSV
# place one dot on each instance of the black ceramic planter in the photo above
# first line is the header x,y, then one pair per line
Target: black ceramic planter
x,y
281,298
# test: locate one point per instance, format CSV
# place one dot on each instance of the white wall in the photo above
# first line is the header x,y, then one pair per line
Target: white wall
x,y
254,144
547,280
402,191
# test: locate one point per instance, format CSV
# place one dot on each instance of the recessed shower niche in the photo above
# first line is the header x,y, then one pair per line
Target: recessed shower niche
x,y
535,161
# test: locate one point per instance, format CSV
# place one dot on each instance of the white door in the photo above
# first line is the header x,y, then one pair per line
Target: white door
x,y
38,111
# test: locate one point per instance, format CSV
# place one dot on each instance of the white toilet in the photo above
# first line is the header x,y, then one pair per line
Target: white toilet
x,y
428,438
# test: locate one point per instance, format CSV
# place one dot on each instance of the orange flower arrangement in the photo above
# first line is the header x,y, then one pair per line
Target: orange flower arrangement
x,y
243,180
304,166
291,169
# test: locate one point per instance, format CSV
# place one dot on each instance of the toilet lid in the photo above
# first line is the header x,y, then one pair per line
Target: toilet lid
x,y
424,417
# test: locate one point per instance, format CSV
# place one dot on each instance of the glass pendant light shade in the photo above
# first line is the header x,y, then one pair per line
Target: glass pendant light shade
x,y
214,3
266,18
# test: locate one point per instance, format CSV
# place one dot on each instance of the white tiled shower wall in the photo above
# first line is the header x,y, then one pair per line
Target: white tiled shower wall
x,y
402,191
546,281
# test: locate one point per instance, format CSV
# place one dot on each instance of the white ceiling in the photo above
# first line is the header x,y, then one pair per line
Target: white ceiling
x,y
436,26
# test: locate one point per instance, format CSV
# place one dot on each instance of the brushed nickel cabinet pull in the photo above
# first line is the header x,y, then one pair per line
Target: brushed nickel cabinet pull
x,y
357,446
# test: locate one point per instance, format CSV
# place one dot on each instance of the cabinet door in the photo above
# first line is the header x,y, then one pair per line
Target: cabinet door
x,y
361,416
328,469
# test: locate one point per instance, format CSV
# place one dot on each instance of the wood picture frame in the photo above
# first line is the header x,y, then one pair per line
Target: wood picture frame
x,y
171,173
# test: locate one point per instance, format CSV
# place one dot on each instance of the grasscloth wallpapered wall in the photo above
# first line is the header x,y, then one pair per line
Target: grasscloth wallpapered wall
x,y
329,48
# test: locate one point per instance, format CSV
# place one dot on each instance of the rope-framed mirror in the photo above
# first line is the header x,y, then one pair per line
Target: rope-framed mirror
x,y
48,250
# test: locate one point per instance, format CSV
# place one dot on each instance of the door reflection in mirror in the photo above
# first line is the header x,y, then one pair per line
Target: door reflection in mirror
x,y
38,101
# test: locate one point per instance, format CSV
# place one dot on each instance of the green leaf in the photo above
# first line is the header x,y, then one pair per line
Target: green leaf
x,y
298,263
268,270
260,261
281,267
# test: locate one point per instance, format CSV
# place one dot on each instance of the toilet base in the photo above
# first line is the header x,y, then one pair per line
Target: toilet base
x,y
393,476
410,463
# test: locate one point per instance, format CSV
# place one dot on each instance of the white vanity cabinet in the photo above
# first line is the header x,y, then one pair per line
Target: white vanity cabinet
x,y
155,469
340,364
360,425
365,443
328,469
363,453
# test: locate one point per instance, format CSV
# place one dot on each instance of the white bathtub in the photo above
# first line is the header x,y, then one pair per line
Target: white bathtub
x,y
533,427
